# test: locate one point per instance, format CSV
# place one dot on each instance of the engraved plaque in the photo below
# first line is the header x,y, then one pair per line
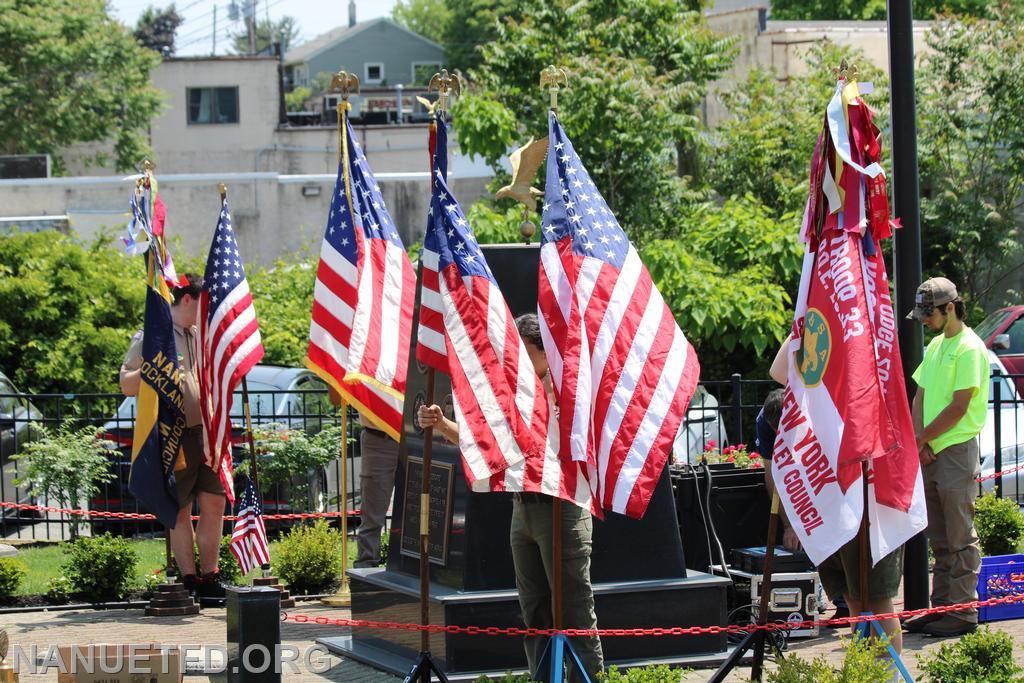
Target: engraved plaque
x,y
442,480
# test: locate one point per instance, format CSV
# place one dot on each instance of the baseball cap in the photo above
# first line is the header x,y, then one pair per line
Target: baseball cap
x,y
936,291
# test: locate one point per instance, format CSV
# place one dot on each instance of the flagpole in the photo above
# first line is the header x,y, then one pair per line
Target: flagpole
x,y
344,83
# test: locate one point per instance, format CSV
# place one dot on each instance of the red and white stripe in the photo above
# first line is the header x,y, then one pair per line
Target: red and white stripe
x,y
431,349
622,369
361,328
502,411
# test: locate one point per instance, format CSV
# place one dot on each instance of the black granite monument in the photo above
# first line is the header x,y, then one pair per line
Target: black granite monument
x,y
638,571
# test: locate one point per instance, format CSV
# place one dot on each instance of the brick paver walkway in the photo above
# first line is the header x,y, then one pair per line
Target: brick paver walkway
x,y
45,629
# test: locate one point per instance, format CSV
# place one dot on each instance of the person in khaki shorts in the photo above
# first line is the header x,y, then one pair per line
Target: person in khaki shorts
x,y
531,538
193,478
950,408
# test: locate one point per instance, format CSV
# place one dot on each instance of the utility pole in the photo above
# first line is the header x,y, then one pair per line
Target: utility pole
x,y
250,24
213,50
907,245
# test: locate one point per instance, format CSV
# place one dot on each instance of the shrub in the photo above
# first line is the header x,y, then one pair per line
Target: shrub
x,y
866,661
12,572
101,568
309,557
68,466
648,674
985,656
58,590
1000,524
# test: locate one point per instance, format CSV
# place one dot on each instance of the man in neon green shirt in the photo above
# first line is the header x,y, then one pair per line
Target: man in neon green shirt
x,y
950,408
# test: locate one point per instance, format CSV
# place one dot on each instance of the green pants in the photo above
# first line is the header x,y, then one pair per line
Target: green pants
x,y
531,553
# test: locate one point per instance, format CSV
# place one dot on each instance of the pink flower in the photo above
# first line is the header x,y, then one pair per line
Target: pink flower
x,y
741,446
755,454
730,459
710,444
728,449
755,464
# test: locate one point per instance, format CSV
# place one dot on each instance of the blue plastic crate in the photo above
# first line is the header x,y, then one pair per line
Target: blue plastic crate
x,y
1001,575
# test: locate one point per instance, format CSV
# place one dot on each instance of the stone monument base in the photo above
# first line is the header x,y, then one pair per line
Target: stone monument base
x,y
378,595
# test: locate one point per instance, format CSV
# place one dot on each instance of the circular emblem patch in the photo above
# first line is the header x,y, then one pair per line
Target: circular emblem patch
x,y
815,349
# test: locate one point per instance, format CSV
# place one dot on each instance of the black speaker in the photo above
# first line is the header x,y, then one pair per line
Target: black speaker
x,y
254,634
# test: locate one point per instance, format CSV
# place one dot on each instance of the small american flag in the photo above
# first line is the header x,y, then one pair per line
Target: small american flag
x,y
622,370
229,344
249,538
361,324
500,403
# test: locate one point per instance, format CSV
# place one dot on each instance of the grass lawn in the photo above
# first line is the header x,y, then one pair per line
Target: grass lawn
x,y
44,562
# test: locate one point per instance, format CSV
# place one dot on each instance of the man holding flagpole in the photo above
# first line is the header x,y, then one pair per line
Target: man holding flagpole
x,y
193,478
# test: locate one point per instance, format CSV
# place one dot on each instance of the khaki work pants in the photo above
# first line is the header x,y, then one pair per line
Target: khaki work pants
x,y
531,554
950,489
378,460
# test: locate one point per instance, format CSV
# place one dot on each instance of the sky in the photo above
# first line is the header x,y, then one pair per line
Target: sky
x,y
195,35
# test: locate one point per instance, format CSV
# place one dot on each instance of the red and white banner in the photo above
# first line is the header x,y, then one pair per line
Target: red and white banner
x,y
845,405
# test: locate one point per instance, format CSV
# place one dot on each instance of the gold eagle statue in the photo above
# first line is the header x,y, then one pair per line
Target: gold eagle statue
x,y
525,162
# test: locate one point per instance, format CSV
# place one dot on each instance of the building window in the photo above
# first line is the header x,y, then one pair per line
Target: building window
x,y
422,72
212,105
373,72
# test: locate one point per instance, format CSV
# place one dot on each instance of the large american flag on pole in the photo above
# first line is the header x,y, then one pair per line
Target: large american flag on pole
x,y
249,537
229,344
431,347
622,369
501,406
361,324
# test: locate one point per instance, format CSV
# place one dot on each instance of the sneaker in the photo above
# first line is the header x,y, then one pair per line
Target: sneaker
x,y
211,591
191,583
917,624
949,626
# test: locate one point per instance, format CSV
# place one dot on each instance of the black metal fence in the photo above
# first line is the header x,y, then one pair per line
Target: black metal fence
x,y
723,411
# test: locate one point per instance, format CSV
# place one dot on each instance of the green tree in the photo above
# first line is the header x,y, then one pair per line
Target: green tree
x,y
268,32
765,147
67,311
861,10
70,73
68,466
971,137
473,23
638,70
429,18
155,29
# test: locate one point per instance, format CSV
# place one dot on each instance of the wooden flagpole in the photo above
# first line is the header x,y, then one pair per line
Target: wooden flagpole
x,y
344,83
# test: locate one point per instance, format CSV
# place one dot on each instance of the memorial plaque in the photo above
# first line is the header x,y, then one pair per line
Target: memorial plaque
x,y
442,479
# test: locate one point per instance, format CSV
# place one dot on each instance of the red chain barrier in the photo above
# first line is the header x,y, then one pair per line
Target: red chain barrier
x,y
637,632
996,475
146,516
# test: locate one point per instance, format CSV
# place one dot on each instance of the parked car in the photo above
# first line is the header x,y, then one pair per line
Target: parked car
x,y
1003,333
17,418
1011,426
290,397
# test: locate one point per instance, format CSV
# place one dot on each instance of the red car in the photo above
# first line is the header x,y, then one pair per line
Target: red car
x,y
1003,332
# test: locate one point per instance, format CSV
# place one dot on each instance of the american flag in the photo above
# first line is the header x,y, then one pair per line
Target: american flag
x,y
249,537
363,298
622,370
431,349
500,402
229,344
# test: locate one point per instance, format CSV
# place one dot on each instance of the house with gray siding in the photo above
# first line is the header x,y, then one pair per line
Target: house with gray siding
x,y
378,51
